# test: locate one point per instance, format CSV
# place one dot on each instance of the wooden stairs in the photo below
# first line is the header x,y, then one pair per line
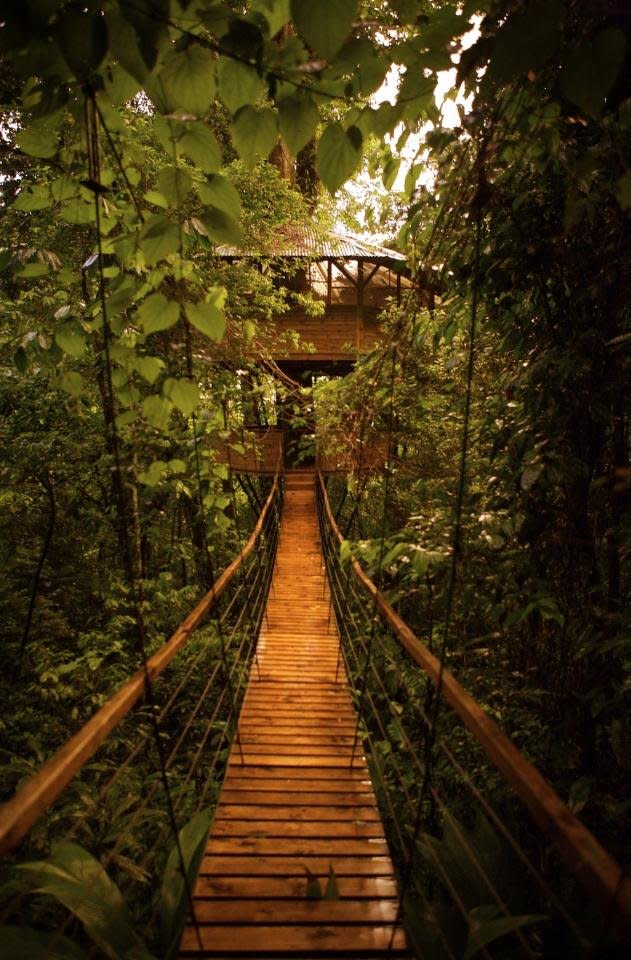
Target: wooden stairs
x,y
295,802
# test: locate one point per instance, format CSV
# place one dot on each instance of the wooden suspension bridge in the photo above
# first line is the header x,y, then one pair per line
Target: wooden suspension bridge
x,y
297,800
297,815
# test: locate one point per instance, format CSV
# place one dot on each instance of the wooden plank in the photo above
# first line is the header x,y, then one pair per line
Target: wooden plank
x,y
285,811
295,759
315,799
254,865
369,888
297,847
244,912
348,829
263,940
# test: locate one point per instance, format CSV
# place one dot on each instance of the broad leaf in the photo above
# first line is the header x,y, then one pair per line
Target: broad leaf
x,y
83,40
80,883
298,118
70,338
207,317
71,382
157,411
149,368
125,47
591,71
183,394
527,40
324,25
32,199
221,227
487,924
158,238
338,156
186,82
276,12
157,313
239,84
254,133
217,191
200,145
174,184
149,19
37,141
192,838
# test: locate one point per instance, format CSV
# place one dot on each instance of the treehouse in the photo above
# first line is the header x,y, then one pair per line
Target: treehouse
x,y
337,290
348,281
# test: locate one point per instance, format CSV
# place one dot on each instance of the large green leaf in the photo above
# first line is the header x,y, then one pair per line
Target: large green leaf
x,y
183,394
254,133
221,227
173,897
276,12
158,238
200,145
527,40
125,47
24,943
488,923
157,411
38,140
149,368
69,337
82,37
338,156
149,19
157,313
324,25
207,316
174,184
298,118
217,191
240,85
32,198
80,883
187,81
591,71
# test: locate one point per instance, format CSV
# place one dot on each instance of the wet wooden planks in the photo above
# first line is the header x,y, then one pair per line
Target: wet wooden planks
x,y
297,799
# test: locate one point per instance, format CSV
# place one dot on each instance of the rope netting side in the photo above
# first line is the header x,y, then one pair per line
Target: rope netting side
x,y
115,806
465,855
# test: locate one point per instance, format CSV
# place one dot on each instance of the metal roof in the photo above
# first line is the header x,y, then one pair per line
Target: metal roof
x,y
305,241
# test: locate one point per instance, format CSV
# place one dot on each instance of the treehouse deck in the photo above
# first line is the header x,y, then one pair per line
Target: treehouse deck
x,y
296,800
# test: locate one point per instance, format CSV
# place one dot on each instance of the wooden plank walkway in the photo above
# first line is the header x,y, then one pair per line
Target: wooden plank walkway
x,y
294,801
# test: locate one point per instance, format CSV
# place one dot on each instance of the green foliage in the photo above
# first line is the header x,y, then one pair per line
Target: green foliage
x,y
79,882
174,897
324,27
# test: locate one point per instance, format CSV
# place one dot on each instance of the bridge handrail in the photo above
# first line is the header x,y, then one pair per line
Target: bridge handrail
x,y
35,796
593,867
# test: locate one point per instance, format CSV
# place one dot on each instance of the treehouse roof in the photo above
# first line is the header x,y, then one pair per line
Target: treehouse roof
x,y
305,241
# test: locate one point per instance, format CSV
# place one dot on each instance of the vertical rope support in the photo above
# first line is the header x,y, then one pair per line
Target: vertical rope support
x,y
382,538
132,558
430,740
